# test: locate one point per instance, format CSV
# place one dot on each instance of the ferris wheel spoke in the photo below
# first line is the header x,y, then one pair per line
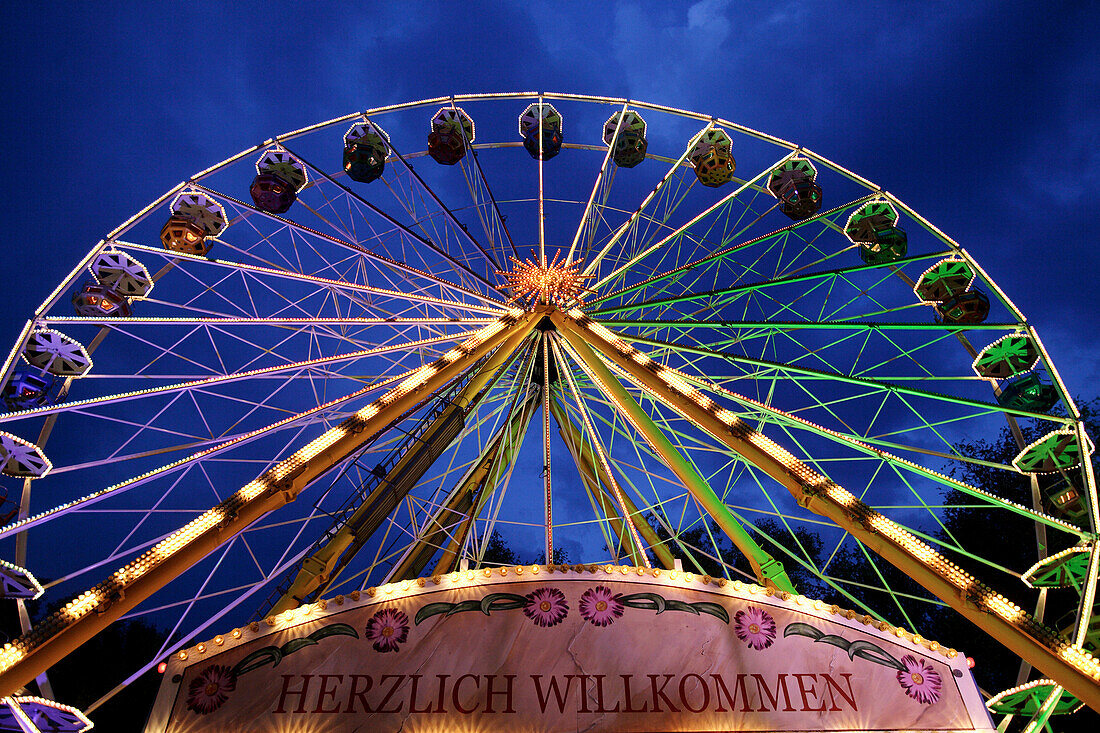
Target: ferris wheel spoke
x,y
295,367
729,250
611,521
842,274
548,498
715,210
427,242
646,228
592,265
246,321
764,566
761,368
586,215
458,226
811,325
593,439
497,216
491,502
380,260
342,285
363,513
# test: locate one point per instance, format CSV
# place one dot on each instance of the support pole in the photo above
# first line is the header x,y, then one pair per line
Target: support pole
x,y
95,609
547,483
463,501
592,474
768,570
318,571
601,455
1069,665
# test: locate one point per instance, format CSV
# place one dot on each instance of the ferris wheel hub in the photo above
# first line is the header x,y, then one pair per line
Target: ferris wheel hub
x,y
555,282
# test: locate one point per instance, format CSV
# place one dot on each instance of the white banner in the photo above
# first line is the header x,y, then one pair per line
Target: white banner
x,y
594,648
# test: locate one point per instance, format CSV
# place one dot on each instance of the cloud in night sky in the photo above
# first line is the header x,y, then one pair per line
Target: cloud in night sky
x,y
983,116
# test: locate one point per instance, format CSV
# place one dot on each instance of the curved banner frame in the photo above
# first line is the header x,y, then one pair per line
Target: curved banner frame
x,y
552,648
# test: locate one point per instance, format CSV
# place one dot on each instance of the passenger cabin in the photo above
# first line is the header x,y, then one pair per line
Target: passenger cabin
x,y
712,158
94,300
540,128
627,140
874,228
194,219
365,149
279,178
27,390
451,132
794,184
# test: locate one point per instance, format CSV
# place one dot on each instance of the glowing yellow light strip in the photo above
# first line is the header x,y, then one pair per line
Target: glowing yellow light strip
x,y
810,485
276,483
480,578
24,524
731,419
305,364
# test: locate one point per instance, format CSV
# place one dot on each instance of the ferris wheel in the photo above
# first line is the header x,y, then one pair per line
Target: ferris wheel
x,y
353,354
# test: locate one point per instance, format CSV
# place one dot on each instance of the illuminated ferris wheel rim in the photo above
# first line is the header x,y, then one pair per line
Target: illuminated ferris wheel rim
x,y
564,315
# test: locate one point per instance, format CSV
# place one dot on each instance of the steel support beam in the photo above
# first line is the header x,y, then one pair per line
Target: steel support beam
x,y
463,502
768,570
320,569
95,609
594,478
1054,655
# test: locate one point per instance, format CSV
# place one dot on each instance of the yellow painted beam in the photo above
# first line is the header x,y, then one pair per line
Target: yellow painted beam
x,y
589,469
92,611
768,570
320,568
1054,655
459,506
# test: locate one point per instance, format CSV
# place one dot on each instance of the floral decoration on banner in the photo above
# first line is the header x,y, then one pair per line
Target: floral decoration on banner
x,y
600,607
917,677
919,680
211,688
548,607
754,626
544,606
388,629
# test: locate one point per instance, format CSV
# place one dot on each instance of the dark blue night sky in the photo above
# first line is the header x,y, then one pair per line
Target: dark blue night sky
x,y
983,116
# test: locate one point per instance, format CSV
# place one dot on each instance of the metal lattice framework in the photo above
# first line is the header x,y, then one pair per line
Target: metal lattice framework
x,y
349,383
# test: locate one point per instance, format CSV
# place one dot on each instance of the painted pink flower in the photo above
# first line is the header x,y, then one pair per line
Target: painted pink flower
x,y
600,606
388,629
546,606
755,626
919,680
211,689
